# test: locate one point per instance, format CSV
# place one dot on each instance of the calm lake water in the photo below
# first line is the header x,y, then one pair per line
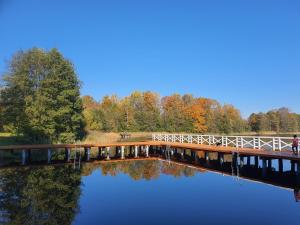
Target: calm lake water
x,y
141,192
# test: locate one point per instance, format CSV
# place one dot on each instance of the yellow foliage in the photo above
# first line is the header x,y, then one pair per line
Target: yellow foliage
x,y
197,112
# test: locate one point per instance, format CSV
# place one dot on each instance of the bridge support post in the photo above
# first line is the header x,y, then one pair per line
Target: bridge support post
x,y
49,155
147,150
163,149
298,173
135,151
99,153
298,168
248,160
280,165
264,167
122,152
182,154
175,151
67,154
192,155
26,155
107,153
154,149
256,161
269,164
292,166
221,158
241,161
206,156
87,153
117,151
130,151
196,157
234,160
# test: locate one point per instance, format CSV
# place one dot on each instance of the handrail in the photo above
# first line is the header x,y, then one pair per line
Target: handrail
x,y
255,142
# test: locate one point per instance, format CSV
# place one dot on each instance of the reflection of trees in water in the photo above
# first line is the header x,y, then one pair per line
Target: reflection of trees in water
x,y
137,170
177,170
43,195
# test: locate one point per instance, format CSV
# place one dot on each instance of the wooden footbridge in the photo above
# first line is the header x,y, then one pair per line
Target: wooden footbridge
x,y
265,149
259,158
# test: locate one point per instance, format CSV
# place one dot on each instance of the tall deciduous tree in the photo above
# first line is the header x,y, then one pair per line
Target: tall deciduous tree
x,y
197,112
174,114
41,97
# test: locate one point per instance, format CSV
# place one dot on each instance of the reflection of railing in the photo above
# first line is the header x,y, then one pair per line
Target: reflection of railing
x,y
255,142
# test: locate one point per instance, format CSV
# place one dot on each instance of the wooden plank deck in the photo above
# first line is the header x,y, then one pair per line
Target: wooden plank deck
x,y
196,147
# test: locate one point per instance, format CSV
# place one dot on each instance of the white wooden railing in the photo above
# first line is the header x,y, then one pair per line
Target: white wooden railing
x,y
255,142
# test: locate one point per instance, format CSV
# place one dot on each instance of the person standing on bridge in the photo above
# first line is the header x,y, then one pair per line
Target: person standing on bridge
x,y
295,144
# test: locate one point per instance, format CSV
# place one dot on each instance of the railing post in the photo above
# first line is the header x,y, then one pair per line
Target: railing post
x,y
259,142
254,145
242,142
274,144
236,142
279,144
158,137
226,141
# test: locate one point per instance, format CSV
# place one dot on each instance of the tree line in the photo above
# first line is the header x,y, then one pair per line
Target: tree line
x,y
147,111
279,121
40,101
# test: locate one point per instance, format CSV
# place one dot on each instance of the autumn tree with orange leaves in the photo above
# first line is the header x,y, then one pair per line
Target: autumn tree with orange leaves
x,y
197,112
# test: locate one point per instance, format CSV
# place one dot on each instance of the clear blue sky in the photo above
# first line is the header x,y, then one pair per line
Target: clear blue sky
x,y
242,52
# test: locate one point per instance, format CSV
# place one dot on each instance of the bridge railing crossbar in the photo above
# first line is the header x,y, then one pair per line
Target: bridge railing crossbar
x,y
254,142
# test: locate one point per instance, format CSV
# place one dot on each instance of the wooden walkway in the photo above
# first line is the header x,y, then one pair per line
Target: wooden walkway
x,y
284,154
241,151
